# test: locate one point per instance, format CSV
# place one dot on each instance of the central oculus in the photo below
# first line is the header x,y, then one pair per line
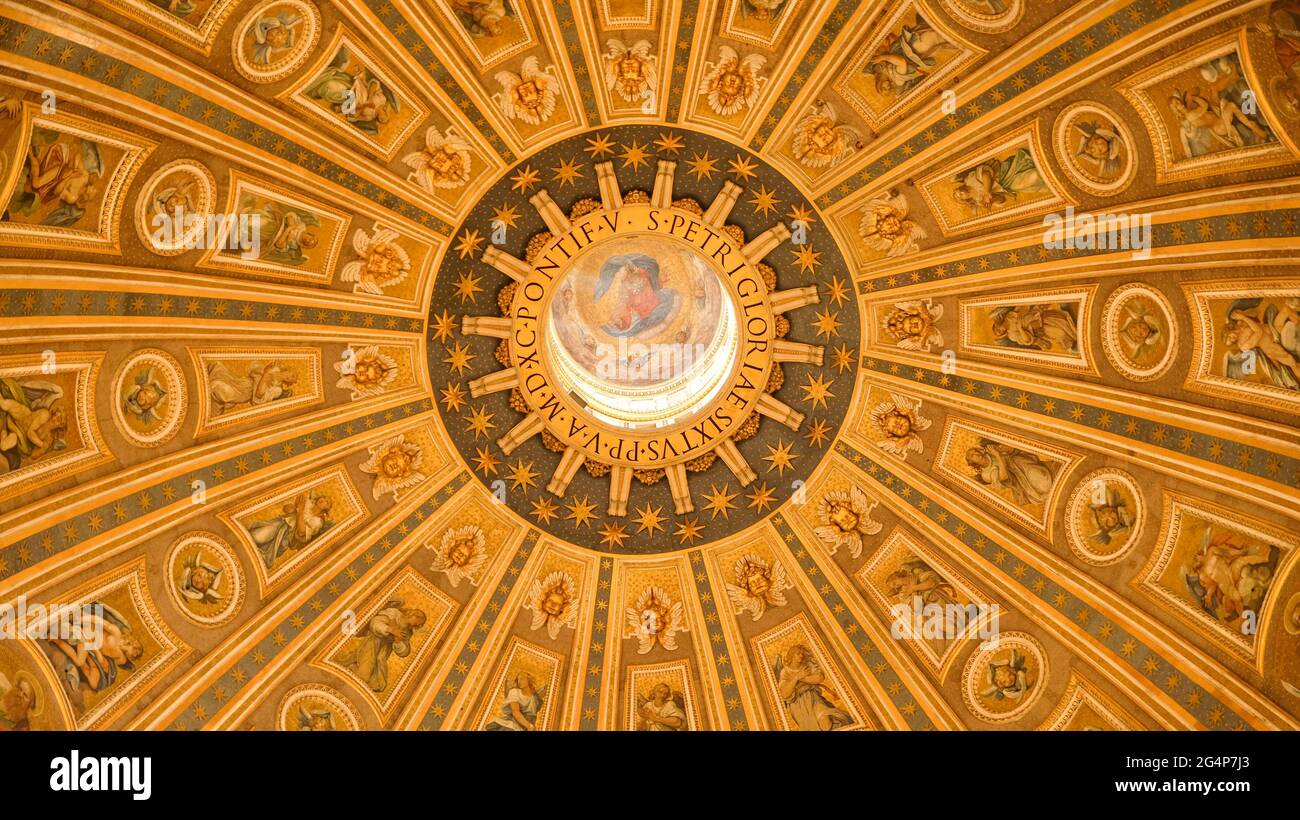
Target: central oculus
x,y
643,331
642,336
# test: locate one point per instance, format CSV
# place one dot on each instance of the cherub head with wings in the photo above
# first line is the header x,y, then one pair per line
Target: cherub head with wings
x,y
460,553
845,520
655,619
758,585
528,96
630,70
820,139
731,84
553,601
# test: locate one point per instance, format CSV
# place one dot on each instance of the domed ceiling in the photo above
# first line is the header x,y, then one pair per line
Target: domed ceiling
x,y
651,364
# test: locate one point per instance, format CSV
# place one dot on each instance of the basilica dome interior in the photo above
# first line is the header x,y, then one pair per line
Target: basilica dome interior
x,y
650,364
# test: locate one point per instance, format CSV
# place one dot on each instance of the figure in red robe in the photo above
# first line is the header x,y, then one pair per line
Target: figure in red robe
x,y
642,304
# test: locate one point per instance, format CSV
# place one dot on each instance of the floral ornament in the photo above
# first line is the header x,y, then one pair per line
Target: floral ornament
x,y
819,140
366,371
845,518
396,464
461,554
630,70
528,96
885,226
554,603
899,422
731,83
912,325
758,586
656,618
443,162
383,262
144,397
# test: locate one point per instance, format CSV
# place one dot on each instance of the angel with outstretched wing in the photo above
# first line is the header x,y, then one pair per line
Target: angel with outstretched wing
x,y
642,304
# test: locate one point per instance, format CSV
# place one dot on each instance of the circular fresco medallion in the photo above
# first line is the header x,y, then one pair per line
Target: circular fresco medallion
x,y
1000,683
1275,60
204,579
149,398
1291,615
1103,518
642,352
986,15
1284,88
1285,91
174,207
275,38
1095,148
316,708
1138,332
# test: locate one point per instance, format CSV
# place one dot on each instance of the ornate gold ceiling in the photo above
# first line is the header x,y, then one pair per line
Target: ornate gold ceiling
x,y
650,364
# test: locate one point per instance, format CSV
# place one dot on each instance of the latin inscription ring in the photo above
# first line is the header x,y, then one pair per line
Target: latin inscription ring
x,y
565,417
